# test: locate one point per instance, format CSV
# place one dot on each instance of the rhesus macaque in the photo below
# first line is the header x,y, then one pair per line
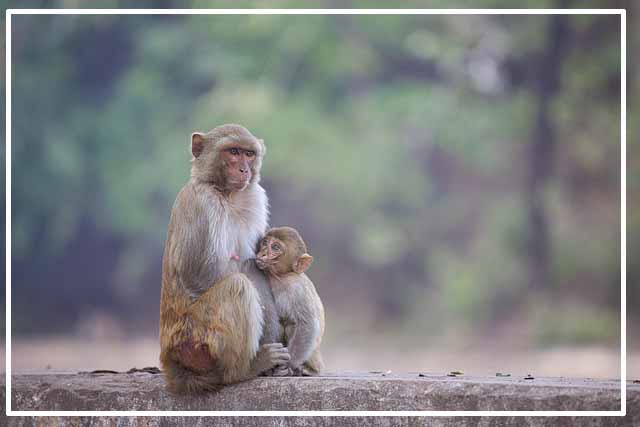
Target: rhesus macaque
x,y
218,323
283,255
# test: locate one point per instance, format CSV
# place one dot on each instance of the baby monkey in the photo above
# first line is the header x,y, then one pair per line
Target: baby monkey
x,y
283,256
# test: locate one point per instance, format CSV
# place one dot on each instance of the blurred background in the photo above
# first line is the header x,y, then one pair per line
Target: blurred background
x,y
456,178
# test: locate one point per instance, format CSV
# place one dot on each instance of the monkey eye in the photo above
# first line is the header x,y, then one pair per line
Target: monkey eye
x,y
275,247
234,151
250,153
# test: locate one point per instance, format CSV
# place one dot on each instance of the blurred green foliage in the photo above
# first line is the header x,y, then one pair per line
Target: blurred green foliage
x,y
398,145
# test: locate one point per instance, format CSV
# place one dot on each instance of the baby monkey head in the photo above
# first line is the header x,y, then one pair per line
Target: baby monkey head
x,y
283,251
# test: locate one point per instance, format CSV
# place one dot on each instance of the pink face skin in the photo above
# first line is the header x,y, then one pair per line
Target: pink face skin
x,y
270,249
239,164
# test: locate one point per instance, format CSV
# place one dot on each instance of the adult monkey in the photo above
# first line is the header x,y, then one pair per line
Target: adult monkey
x,y
218,323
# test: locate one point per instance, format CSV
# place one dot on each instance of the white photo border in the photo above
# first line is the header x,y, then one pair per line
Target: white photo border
x,y
623,205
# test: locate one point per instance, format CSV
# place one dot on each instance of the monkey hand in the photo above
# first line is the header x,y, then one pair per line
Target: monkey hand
x,y
287,371
269,356
235,256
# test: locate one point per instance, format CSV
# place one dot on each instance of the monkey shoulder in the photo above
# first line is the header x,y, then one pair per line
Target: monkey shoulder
x,y
298,301
310,289
190,206
188,223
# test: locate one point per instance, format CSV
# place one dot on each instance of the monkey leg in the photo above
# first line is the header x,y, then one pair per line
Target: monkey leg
x,y
231,321
215,339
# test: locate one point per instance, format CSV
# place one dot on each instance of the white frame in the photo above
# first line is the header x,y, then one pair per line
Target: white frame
x,y
623,204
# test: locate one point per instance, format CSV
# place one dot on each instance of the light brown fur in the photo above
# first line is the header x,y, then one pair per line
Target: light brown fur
x,y
283,255
218,323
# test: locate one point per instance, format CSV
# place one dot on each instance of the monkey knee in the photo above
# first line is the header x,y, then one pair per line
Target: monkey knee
x,y
238,279
244,310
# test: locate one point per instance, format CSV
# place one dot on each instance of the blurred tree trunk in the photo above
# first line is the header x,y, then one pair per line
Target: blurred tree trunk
x,y
541,151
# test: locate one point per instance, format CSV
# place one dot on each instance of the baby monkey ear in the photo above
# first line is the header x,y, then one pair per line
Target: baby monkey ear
x,y
197,143
303,263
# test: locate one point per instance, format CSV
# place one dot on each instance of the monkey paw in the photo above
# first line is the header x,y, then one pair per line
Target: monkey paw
x,y
269,356
281,371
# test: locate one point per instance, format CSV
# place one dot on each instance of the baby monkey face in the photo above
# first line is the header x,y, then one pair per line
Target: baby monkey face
x,y
272,255
283,251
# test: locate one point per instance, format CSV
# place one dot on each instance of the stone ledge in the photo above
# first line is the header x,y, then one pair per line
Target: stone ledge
x,y
339,392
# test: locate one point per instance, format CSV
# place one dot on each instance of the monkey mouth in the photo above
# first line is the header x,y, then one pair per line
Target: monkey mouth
x,y
264,265
260,264
239,184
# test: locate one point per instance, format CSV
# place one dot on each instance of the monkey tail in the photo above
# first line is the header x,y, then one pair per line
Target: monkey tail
x,y
181,380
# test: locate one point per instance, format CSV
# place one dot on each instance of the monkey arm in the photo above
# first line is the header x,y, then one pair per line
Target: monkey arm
x,y
302,341
187,242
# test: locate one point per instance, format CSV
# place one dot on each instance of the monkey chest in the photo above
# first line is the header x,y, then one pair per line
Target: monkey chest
x,y
232,247
286,303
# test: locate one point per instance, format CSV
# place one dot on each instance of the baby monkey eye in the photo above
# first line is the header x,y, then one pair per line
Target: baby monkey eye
x,y
275,247
234,151
250,153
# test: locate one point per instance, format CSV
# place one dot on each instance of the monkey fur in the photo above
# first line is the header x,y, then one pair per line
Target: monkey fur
x,y
218,323
283,255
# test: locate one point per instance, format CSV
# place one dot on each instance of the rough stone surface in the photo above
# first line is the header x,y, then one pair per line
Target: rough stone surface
x,y
338,392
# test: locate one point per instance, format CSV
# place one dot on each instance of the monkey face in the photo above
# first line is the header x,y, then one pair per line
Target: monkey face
x,y
239,167
283,251
229,157
271,254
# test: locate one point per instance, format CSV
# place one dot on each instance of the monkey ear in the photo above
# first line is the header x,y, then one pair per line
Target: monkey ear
x,y
303,263
264,147
197,143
